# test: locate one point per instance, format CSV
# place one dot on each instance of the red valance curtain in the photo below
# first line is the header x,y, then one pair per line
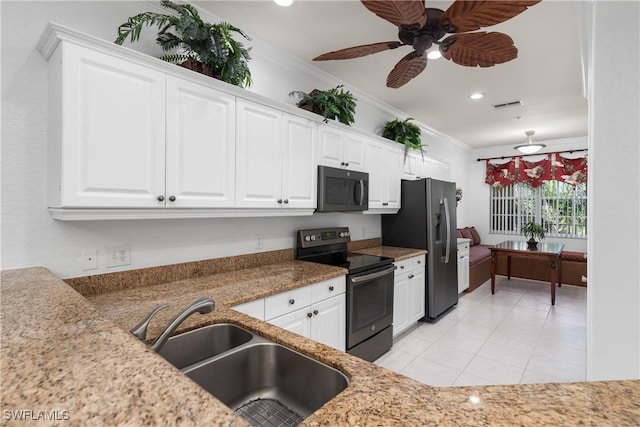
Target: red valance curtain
x,y
535,173
571,171
501,175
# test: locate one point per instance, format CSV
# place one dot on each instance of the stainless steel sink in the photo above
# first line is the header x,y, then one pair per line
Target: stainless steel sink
x,y
269,371
203,343
264,382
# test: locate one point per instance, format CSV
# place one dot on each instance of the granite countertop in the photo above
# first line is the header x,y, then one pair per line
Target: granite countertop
x,y
398,254
64,352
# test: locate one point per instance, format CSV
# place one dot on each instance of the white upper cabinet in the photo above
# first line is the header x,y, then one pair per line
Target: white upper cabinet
x,y
275,159
418,166
200,163
300,164
341,149
107,130
385,172
258,155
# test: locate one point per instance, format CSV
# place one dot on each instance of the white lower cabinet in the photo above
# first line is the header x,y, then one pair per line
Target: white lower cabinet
x,y
316,311
409,293
463,264
324,322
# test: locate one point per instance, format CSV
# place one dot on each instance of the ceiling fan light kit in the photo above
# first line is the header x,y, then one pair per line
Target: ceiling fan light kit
x,y
530,147
421,28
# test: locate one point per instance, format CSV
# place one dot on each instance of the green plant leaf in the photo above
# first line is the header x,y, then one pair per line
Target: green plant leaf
x,y
211,44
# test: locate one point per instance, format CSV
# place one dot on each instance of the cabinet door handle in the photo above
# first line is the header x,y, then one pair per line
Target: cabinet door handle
x,y
292,301
419,262
286,201
385,204
331,288
411,276
161,198
279,201
343,164
172,198
315,312
402,267
346,164
309,314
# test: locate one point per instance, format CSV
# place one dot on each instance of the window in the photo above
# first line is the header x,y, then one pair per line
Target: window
x,y
558,206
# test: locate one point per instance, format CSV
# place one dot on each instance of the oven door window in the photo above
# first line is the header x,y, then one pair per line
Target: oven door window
x,y
370,307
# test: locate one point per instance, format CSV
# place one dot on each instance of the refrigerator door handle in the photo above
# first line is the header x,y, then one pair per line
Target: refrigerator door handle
x,y
447,219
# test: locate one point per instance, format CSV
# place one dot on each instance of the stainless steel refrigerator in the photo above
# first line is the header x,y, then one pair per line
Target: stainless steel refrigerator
x,y
427,220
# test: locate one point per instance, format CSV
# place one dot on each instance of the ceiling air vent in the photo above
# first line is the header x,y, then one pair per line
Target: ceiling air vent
x,y
517,103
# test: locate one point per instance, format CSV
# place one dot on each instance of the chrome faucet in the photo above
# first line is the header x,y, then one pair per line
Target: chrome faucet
x,y
202,305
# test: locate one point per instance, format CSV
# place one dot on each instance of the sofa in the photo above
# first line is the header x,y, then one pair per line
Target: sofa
x,y
573,264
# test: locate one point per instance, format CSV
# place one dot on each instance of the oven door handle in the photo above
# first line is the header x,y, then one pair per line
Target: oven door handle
x,y
371,276
361,192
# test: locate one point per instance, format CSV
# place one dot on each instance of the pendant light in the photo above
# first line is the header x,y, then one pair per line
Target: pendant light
x,y
530,147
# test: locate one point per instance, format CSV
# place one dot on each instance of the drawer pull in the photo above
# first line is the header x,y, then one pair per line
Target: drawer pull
x,y
402,267
419,262
309,314
292,301
331,288
315,312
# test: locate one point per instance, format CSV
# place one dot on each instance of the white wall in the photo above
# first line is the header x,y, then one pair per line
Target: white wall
x,y
613,299
479,191
30,237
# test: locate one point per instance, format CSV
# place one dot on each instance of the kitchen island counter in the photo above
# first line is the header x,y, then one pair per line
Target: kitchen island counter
x,y
71,357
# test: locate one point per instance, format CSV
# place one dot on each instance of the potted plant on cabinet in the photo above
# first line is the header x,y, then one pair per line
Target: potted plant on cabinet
x,y
206,48
533,230
336,104
404,132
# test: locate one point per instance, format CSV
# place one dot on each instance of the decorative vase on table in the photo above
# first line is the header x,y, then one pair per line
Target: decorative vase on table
x,y
532,244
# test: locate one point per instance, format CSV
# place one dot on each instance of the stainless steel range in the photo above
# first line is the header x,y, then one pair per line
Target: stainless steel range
x,y
369,288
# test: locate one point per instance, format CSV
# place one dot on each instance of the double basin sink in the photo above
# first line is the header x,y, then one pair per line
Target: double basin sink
x,y
260,380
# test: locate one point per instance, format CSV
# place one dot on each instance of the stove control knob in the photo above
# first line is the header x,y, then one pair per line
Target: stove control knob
x,y
313,237
307,238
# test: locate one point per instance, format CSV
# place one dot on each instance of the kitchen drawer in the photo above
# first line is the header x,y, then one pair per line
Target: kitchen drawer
x,y
463,249
286,302
409,264
327,289
252,308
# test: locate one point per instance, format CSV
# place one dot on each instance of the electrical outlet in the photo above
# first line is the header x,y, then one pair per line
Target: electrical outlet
x,y
259,241
116,256
89,259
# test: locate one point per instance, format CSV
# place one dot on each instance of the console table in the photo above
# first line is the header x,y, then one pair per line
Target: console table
x,y
549,251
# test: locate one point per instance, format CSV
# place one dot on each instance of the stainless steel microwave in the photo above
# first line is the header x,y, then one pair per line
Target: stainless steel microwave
x,y
341,190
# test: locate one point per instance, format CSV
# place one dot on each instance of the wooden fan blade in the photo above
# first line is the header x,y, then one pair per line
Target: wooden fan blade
x,y
357,51
408,67
479,49
470,15
405,12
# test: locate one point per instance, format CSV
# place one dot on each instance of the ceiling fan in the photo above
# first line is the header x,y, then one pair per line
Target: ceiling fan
x,y
421,27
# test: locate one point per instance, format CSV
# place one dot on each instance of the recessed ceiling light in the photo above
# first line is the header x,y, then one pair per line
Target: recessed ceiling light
x,y
434,54
284,3
476,95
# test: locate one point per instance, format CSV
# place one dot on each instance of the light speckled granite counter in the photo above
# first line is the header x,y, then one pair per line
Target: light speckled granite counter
x,y
398,254
61,351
